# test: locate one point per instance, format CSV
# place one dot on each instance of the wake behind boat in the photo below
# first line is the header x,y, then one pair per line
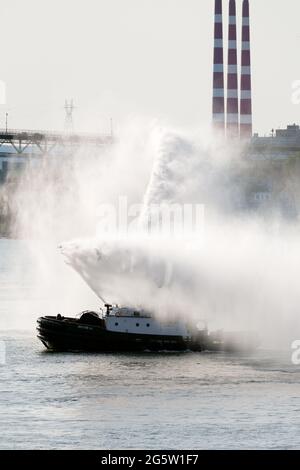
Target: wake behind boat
x,y
126,329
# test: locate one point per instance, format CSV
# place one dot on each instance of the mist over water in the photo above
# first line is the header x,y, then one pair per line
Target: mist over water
x,y
240,271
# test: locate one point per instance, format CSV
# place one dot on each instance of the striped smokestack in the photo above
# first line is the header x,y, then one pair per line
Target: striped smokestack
x,y
218,73
246,100
232,111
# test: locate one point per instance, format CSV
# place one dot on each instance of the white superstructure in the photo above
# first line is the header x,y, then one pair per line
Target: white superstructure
x,y
127,320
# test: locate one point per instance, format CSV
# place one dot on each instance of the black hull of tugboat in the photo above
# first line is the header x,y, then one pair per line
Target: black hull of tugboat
x,y
70,335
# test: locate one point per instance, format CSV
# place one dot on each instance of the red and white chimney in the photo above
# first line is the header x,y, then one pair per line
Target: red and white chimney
x,y
246,97
218,72
232,109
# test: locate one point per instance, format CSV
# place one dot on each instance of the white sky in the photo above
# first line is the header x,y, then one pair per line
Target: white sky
x,y
124,58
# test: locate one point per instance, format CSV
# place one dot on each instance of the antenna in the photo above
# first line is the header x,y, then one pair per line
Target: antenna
x,y
69,108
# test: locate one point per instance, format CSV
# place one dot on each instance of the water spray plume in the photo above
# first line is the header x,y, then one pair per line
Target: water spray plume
x,y
239,272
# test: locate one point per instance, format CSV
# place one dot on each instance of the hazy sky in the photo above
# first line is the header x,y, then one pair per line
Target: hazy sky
x,y
125,58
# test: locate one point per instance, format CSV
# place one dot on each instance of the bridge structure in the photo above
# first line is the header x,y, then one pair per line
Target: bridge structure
x,y
24,143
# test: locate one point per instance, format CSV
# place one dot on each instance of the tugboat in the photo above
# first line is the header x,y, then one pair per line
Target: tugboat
x,y
129,330
117,329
